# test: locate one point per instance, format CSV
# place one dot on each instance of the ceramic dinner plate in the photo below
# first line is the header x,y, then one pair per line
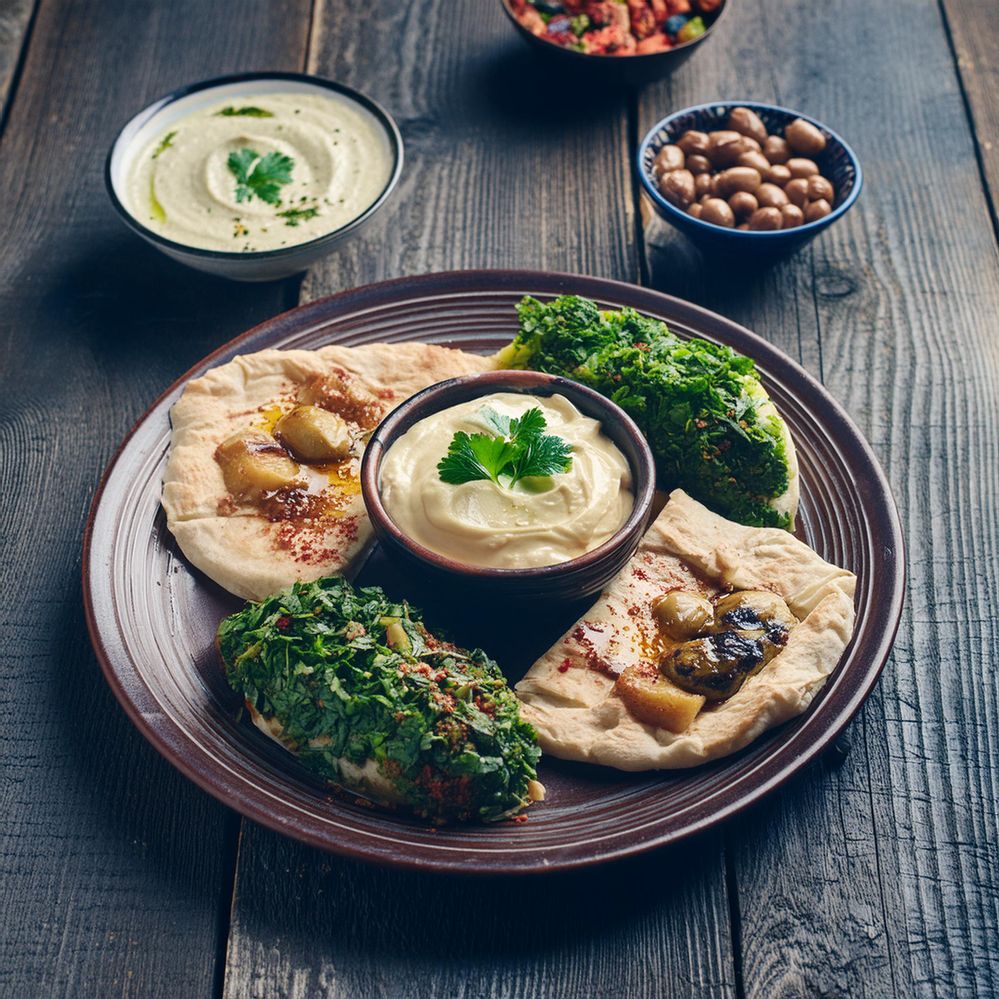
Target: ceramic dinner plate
x,y
152,617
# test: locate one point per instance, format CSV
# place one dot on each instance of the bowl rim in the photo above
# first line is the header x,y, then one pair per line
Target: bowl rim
x,y
527,382
712,229
147,113
573,53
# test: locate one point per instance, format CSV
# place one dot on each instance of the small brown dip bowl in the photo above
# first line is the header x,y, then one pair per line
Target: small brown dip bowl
x,y
564,581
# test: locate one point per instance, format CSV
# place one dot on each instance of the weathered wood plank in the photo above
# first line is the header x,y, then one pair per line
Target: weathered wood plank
x,y
502,170
115,869
15,17
974,32
878,879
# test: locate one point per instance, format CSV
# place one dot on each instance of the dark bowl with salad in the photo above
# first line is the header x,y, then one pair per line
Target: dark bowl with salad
x,y
635,41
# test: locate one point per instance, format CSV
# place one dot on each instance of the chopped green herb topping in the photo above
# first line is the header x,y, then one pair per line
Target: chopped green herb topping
x,y
260,176
247,112
165,143
520,448
350,679
293,216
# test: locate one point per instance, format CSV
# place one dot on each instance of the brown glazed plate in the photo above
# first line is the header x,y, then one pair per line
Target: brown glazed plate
x,y
152,618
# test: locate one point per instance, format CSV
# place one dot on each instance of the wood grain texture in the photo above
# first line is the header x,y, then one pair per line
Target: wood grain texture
x,y
498,173
501,170
878,878
115,870
974,33
15,18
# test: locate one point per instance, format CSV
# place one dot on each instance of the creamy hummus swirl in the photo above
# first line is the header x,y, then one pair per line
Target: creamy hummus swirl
x,y
183,186
484,524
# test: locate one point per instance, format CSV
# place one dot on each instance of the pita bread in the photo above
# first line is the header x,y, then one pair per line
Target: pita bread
x,y
569,696
236,544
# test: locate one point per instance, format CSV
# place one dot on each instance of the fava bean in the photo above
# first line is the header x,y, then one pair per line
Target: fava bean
x,y
771,196
739,178
776,149
797,191
743,204
692,142
695,210
819,189
704,184
777,174
801,167
751,158
748,123
791,215
765,219
718,212
725,147
804,138
677,187
817,210
669,158
698,163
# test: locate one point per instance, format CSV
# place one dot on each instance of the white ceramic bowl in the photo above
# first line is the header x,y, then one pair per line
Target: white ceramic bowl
x,y
263,265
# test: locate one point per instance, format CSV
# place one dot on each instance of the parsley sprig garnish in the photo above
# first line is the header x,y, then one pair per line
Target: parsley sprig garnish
x,y
520,448
260,176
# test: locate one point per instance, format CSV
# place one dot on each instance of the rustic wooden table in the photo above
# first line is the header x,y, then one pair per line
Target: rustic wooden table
x,y
873,874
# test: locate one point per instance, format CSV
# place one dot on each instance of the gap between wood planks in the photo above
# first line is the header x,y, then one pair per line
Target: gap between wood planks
x,y
977,100
16,25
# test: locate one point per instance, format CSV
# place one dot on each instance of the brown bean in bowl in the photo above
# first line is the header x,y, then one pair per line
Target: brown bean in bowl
x,y
724,173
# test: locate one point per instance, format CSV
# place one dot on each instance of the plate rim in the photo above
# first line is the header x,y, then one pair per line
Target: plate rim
x,y
485,281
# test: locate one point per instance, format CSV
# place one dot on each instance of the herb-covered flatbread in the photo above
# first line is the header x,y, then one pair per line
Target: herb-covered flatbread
x,y
357,688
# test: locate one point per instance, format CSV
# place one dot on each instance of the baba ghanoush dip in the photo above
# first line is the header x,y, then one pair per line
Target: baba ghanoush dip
x,y
260,173
510,520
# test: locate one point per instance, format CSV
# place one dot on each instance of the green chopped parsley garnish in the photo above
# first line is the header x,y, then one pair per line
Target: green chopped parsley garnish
x,y
351,679
165,143
260,176
247,112
519,448
292,216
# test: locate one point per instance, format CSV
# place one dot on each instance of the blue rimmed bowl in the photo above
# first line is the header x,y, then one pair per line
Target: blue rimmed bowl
x,y
837,162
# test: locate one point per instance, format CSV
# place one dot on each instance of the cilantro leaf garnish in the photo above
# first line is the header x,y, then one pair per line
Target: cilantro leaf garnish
x,y
293,216
260,176
165,143
247,112
519,449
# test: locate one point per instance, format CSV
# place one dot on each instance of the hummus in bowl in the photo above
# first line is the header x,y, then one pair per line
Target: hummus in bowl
x,y
534,521
463,502
256,176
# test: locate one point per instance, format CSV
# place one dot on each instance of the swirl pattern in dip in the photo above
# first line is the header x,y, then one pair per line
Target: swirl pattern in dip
x,y
260,173
488,524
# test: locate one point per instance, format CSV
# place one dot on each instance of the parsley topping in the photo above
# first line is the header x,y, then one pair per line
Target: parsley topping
x,y
247,112
519,448
353,679
165,143
700,404
293,216
260,176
